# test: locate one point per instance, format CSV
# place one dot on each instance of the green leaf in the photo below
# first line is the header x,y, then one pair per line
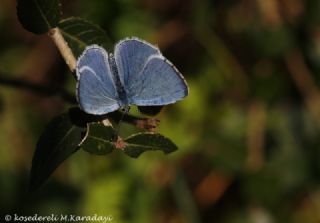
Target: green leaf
x,y
39,16
60,139
80,33
142,142
100,139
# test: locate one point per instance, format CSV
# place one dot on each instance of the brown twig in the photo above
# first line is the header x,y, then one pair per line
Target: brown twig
x,y
256,136
302,77
36,88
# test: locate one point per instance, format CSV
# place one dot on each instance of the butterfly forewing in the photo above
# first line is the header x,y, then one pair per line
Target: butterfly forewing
x,y
131,55
97,93
159,83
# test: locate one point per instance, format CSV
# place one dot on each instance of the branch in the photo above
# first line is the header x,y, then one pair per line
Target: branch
x,y
256,136
64,49
149,124
302,77
44,90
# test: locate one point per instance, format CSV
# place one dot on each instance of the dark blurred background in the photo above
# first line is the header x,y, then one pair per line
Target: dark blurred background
x,y
248,133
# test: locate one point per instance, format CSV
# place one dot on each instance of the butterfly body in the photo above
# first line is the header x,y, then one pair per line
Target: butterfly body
x,y
123,99
137,74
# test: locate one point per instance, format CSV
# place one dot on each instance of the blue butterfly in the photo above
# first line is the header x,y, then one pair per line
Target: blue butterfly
x,y
137,74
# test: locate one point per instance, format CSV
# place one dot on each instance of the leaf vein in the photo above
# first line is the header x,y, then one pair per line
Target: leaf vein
x,y
42,14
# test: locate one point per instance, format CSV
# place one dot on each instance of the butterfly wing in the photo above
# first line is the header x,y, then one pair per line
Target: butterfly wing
x,y
96,90
159,83
131,55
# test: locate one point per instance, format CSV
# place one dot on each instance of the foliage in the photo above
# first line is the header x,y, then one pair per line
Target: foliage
x,y
39,16
59,141
139,143
79,33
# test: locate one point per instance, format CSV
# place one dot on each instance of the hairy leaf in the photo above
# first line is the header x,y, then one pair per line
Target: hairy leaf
x,y
60,139
100,139
142,142
80,33
39,16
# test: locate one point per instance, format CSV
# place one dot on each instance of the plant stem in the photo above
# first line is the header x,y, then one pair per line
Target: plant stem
x,y
40,89
64,49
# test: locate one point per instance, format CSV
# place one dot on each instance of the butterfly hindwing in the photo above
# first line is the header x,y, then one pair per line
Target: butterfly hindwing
x,y
97,93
